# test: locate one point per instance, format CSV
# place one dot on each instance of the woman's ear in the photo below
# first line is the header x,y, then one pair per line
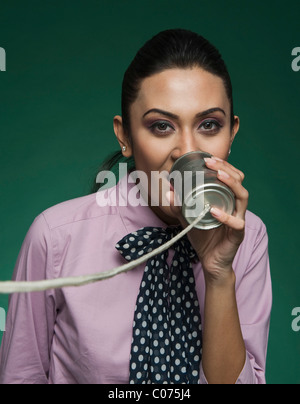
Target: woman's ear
x,y
122,136
235,129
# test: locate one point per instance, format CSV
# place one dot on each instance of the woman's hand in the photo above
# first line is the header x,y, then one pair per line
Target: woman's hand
x,y
217,248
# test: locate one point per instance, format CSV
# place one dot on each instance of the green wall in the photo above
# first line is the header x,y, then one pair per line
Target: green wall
x,y
61,89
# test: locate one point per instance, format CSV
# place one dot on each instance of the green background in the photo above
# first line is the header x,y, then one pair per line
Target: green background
x,y
65,63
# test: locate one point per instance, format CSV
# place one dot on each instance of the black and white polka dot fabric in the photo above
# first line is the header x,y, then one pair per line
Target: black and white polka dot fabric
x,y
167,335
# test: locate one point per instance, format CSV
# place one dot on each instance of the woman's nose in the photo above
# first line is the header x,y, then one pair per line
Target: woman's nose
x,y
186,143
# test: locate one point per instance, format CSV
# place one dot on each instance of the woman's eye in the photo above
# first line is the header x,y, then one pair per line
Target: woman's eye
x,y
161,127
210,125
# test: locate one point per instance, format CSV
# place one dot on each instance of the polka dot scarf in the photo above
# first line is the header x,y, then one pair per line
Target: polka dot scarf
x,y
167,338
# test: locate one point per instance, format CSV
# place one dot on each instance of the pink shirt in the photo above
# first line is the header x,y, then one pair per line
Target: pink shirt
x,y
83,335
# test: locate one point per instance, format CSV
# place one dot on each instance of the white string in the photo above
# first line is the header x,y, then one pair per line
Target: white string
x,y
36,286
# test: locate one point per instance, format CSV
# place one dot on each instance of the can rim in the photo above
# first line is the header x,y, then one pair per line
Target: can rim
x,y
211,222
199,152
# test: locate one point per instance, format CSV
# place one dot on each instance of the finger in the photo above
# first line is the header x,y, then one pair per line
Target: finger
x,y
234,222
226,164
216,164
231,166
239,191
241,194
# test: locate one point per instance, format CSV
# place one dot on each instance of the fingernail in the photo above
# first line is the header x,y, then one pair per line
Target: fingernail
x,y
218,159
210,160
223,174
216,212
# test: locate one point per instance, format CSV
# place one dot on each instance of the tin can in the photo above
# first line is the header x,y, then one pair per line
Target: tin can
x,y
208,190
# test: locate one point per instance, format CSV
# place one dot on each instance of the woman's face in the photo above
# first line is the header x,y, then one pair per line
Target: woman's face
x,y
177,111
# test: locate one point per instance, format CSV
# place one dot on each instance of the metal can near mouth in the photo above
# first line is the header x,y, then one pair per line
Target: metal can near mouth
x,y
208,190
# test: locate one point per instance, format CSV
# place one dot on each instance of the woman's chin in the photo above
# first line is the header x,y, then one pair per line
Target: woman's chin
x,y
166,214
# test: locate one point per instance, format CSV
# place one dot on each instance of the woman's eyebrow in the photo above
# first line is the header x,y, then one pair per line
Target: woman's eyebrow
x,y
173,116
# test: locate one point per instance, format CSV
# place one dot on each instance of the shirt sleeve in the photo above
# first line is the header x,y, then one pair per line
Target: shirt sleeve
x,y
254,300
26,343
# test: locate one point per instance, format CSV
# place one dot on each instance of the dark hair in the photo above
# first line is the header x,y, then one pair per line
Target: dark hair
x,y
175,48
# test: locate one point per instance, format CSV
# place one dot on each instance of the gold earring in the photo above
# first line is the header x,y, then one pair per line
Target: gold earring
x,y
124,148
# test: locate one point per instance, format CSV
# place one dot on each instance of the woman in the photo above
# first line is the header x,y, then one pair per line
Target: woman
x,y
197,314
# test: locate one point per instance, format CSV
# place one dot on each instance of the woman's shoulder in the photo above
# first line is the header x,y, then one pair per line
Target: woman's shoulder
x,y
77,209
255,231
252,255
254,222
